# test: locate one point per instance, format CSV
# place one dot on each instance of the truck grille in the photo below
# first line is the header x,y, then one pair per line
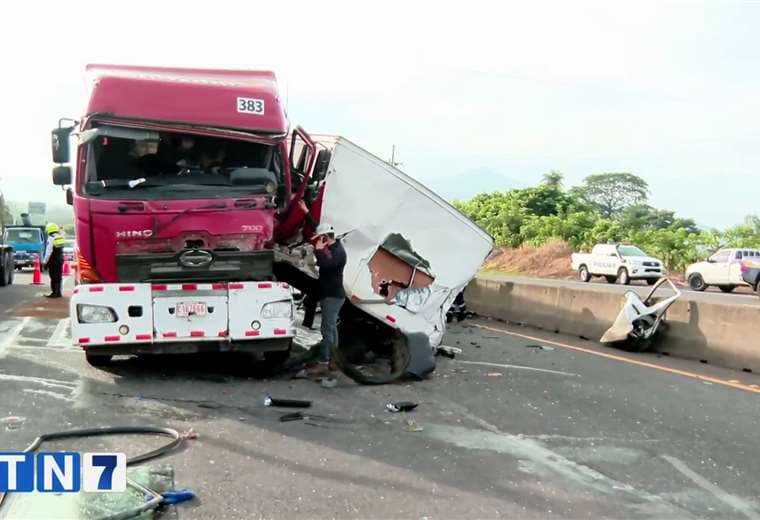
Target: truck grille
x,y
651,264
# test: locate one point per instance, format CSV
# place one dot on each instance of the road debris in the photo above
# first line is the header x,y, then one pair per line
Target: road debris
x,y
411,425
13,422
539,347
297,416
328,382
401,406
494,374
449,352
286,403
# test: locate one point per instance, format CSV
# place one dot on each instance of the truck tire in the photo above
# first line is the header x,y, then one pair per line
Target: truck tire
x,y
757,288
98,360
583,274
623,277
611,279
696,282
727,288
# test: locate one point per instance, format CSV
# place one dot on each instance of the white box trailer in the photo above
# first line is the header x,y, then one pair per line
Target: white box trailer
x,y
409,252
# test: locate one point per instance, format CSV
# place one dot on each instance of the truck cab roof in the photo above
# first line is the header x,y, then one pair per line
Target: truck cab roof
x,y
235,99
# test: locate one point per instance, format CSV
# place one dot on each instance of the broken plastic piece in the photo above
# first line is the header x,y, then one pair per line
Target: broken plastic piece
x,y
176,496
286,403
401,406
329,382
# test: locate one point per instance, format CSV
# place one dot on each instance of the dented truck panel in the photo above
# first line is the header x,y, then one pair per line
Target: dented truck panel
x,y
409,251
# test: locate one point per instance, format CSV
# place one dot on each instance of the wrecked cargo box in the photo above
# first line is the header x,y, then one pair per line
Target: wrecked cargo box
x,y
409,254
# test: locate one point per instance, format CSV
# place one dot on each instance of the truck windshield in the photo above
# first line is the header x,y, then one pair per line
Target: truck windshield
x,y
23,236
130,164
631,251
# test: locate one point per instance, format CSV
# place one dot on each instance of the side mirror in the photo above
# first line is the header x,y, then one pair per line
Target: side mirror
x,y
69,196
61,175
60,144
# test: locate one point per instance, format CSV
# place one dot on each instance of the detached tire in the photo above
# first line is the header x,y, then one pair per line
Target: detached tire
x,y
99,360
696,282
727,288
622,277
583,274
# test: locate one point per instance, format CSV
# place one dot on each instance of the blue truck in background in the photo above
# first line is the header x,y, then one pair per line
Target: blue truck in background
x,y
27,241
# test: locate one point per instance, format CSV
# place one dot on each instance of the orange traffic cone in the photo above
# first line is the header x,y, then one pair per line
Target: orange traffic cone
x,y
66,268
37,276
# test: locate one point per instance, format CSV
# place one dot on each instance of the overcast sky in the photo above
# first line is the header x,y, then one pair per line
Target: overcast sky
x,y
669,91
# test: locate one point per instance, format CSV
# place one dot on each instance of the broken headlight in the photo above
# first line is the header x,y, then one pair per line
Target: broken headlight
x,y
95,314
282,309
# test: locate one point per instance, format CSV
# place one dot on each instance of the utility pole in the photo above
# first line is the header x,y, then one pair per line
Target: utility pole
x,y
393,162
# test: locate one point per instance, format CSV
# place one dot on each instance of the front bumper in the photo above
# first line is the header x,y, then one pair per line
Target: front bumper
x,y
146,317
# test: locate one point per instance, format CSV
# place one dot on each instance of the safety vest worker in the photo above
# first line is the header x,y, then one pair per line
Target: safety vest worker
x,y
54,259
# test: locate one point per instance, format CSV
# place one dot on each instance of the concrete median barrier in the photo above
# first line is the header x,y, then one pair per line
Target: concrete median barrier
x,y
719,334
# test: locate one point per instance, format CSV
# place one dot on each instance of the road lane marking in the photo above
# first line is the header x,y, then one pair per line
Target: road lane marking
x,y
50,383
519,367
727,498
748,388
58,338
12,336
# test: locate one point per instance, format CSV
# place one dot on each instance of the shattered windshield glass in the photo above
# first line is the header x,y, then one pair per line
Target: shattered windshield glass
x,y
139,164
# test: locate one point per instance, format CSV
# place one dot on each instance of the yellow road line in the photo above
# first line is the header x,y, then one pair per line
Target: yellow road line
x,y
731,383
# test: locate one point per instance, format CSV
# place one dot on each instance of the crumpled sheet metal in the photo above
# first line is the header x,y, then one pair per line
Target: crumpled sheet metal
x,y
368,200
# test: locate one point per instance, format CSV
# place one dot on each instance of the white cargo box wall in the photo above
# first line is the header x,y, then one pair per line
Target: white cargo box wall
x,y
367,200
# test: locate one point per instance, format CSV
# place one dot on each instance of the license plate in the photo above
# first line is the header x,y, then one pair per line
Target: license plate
x,y
185,309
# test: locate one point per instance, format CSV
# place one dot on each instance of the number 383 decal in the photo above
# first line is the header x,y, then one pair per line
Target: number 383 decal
x,y
250,106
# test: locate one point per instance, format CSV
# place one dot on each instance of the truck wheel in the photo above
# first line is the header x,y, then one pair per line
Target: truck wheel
x,y
583,274
696,282
727,288
98,360
611,279
623,277
651,281
757,288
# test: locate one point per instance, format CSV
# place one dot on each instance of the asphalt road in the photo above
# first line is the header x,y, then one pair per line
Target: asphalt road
x,y
741,296
508,429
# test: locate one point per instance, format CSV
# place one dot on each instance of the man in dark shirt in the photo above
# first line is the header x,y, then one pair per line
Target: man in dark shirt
x,y
331,259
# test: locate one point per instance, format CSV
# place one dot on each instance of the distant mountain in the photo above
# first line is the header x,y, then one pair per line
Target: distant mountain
x,y
466,185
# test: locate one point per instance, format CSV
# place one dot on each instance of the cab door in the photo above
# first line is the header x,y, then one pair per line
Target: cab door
x,y
716,270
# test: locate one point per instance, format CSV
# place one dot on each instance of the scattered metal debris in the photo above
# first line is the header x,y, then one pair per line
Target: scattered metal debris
x,y
401,406
286,403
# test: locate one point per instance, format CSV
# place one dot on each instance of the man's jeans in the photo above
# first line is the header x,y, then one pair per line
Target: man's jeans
x,y
330,310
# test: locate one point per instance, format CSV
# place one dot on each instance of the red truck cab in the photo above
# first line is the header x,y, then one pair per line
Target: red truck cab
x,y
182,177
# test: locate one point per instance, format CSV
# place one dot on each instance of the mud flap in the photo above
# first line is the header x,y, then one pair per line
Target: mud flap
x,y
421,358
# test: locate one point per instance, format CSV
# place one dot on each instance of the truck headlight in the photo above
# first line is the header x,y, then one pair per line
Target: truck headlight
x,y
282,309
95,314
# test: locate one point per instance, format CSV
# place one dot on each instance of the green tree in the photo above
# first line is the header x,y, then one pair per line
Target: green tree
x,y
611,193
553,179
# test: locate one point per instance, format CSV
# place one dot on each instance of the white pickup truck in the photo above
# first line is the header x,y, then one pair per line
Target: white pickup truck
x,y
617,263
723,269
